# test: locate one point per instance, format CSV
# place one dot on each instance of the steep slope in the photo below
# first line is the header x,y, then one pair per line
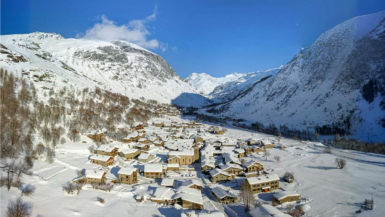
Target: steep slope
x,y
224,88
228,90
118,66
339,80
205,83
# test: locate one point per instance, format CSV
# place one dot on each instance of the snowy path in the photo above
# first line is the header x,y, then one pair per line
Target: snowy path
x,y
207,191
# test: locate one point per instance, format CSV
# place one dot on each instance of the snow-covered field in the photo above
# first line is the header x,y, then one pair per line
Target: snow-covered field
x,y
331,191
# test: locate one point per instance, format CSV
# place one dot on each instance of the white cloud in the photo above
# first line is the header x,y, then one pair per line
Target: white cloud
x,y
136,31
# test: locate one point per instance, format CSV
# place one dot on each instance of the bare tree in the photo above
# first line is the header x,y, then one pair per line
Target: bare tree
x,y
62,140
108,186
246,195
79,173
19,208
73,134
266,153
288,176
69,187
91,149
10,169
279,136
337,137
317,136
341,163
27,190
277,158
40,149
328,150
23,167
78,187
50,155
295,212
369,204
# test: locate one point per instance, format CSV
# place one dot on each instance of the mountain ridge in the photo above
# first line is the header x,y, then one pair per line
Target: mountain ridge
x,y
116,66
337,82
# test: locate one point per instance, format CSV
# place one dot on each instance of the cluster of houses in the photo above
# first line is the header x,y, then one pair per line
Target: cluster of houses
x,y
185,143
221,159
188,194
176,137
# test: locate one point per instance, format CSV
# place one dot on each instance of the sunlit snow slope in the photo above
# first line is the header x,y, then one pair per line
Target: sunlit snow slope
x,y
118,66
339,79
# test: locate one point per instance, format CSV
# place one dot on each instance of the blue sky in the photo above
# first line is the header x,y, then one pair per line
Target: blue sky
x,y
218,37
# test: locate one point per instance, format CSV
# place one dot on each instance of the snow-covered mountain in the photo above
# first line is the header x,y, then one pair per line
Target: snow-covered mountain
x,y
339,79
224,88
205,83
121,67
231,89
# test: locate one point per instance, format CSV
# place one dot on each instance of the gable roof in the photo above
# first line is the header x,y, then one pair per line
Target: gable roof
x,y
191,182
100,158
167,182
217,171
127,170
106,148
150,168
262,179
222,193
230,165
94,174
283,194
144,156
266,210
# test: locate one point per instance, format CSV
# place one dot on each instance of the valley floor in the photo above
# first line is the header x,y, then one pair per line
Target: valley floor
x,y
329,191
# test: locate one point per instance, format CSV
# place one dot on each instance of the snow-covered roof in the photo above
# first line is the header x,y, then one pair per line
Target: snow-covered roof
x,y
135,124
190,197
185,189
152,138
191,182
262,179
167,182
250,163
189,194
106,148
207,162
162,193
94,174
222,193
172,165
283,194
211,214
150,168
217,171
266,210
100,157
230,165
141,145
266,142
132,135
144,156
181,153
129,150
239,150
127,170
